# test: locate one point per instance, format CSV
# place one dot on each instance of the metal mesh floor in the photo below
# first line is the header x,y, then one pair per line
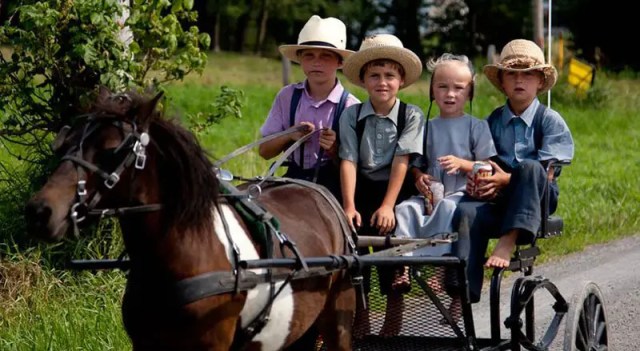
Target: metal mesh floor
x,y
415,323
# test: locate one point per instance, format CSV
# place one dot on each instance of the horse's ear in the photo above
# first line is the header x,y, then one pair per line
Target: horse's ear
x,y
103,93
147,109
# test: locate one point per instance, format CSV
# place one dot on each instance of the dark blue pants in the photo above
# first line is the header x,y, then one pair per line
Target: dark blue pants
x,y
517,207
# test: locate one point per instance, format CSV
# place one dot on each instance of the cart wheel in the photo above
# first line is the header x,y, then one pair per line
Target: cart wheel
x,y
586,328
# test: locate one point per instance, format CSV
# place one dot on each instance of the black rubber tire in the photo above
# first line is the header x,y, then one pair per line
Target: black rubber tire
x,y
586,325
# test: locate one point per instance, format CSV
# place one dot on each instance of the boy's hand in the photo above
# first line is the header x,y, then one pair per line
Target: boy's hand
x,y
451,164
423,181
353,217
491,186
328,141
306,128
383,219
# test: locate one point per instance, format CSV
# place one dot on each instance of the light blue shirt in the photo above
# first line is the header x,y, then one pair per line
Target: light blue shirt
x,y
514,136
380,140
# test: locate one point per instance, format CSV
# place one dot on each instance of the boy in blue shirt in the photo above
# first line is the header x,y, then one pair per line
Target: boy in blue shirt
x,y
526,134
376,139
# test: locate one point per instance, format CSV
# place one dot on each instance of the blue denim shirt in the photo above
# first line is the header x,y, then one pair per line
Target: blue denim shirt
x,y
515,138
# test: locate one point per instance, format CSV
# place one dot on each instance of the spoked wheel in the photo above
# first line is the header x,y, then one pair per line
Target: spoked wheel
x,y
586,328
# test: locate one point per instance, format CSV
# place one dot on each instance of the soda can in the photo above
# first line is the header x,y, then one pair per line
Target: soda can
x,y
481,170
434,195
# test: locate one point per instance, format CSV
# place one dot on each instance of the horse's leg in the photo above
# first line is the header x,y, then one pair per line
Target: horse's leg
x,y
336,320
306,342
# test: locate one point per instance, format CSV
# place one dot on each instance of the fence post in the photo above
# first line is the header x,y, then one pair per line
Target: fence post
x,y
286,71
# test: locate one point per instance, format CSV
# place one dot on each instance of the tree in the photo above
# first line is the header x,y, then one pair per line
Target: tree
x,y
57,52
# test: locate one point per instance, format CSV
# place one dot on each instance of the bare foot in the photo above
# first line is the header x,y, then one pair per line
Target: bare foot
x,y
501,255
401,282
393,316
436,279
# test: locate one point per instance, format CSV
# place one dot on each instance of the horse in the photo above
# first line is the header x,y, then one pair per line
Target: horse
x,y
125,158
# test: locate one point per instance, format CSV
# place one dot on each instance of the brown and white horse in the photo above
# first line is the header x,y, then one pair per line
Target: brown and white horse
x,y
125,158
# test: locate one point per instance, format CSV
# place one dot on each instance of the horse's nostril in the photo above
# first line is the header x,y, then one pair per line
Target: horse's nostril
x,y
37,213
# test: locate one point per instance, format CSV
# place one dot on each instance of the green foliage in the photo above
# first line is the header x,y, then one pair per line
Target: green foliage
x,y
55,55
62,50
228,104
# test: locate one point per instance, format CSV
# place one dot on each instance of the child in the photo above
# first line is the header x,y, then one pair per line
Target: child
x,y
315,103
527,134
376,139
454,140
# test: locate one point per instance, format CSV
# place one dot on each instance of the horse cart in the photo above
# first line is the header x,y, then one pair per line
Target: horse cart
x,y
255,255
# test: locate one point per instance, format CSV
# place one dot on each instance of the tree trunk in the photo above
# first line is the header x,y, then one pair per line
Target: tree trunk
x,y
241,29
262,28
216,34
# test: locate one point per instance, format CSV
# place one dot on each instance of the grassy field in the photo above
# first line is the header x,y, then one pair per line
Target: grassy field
x,y
45,310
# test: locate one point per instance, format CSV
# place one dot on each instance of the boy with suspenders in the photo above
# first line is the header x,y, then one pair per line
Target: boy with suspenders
x,y
316,103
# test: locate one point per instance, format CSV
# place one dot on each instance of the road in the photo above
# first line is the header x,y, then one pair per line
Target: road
x,y
614,267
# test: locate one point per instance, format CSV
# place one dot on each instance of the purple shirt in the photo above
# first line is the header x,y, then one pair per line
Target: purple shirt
x,y
320,113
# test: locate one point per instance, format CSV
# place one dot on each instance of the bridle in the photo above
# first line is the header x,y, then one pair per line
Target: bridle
x,y
134,141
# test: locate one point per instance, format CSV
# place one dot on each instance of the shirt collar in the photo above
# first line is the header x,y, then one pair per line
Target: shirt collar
x,y
367,110
334,95
526,116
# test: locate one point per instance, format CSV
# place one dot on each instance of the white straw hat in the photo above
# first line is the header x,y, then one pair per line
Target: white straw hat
x,y
383,46
319,33
522,55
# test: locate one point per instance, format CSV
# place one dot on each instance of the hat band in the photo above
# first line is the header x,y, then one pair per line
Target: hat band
x,y
318,43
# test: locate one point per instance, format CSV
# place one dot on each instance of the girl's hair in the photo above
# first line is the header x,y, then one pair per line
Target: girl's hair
x,y
433,65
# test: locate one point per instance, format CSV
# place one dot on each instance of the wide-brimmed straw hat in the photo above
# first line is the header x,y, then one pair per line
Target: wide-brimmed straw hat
x,y
319,33
383,46
522,55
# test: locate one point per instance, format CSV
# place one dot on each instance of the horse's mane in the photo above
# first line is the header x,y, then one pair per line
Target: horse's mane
x,y
189,187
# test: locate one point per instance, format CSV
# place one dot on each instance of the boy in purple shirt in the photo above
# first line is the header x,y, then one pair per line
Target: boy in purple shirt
x,y
315,103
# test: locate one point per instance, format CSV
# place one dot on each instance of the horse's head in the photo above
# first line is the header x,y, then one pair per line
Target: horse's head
x,y
121,154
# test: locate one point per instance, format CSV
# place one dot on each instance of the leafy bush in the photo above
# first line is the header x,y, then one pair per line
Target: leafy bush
x,y
57,52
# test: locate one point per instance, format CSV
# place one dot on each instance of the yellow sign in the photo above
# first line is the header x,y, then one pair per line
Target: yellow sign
x,y
581,74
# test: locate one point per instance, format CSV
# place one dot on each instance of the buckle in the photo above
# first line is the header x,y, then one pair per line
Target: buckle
x,y
112,180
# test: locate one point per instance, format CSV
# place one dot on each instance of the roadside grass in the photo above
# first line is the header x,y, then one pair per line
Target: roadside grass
x,y
43,310
48,309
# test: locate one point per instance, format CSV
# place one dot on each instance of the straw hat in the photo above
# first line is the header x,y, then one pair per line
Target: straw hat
x,y
383,46
319,33
522,55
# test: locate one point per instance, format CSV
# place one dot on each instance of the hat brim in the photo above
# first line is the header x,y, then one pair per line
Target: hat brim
x,y
550,75
406,58
291,51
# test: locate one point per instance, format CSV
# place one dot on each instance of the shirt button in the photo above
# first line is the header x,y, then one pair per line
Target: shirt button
x,y
379,151
379,136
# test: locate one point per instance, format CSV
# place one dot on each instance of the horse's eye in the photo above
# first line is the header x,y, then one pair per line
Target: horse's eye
x,y
106,157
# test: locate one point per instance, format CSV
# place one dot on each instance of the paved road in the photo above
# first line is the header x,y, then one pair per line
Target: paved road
x,y
615,267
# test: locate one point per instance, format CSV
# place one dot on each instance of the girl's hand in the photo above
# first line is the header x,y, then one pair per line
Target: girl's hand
x,y
423,181
383,219
451,164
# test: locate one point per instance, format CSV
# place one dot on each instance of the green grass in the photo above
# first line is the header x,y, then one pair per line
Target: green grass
x,y
53,310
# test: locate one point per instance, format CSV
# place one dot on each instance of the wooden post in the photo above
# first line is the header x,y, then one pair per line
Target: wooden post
x,y
286,71
538,23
